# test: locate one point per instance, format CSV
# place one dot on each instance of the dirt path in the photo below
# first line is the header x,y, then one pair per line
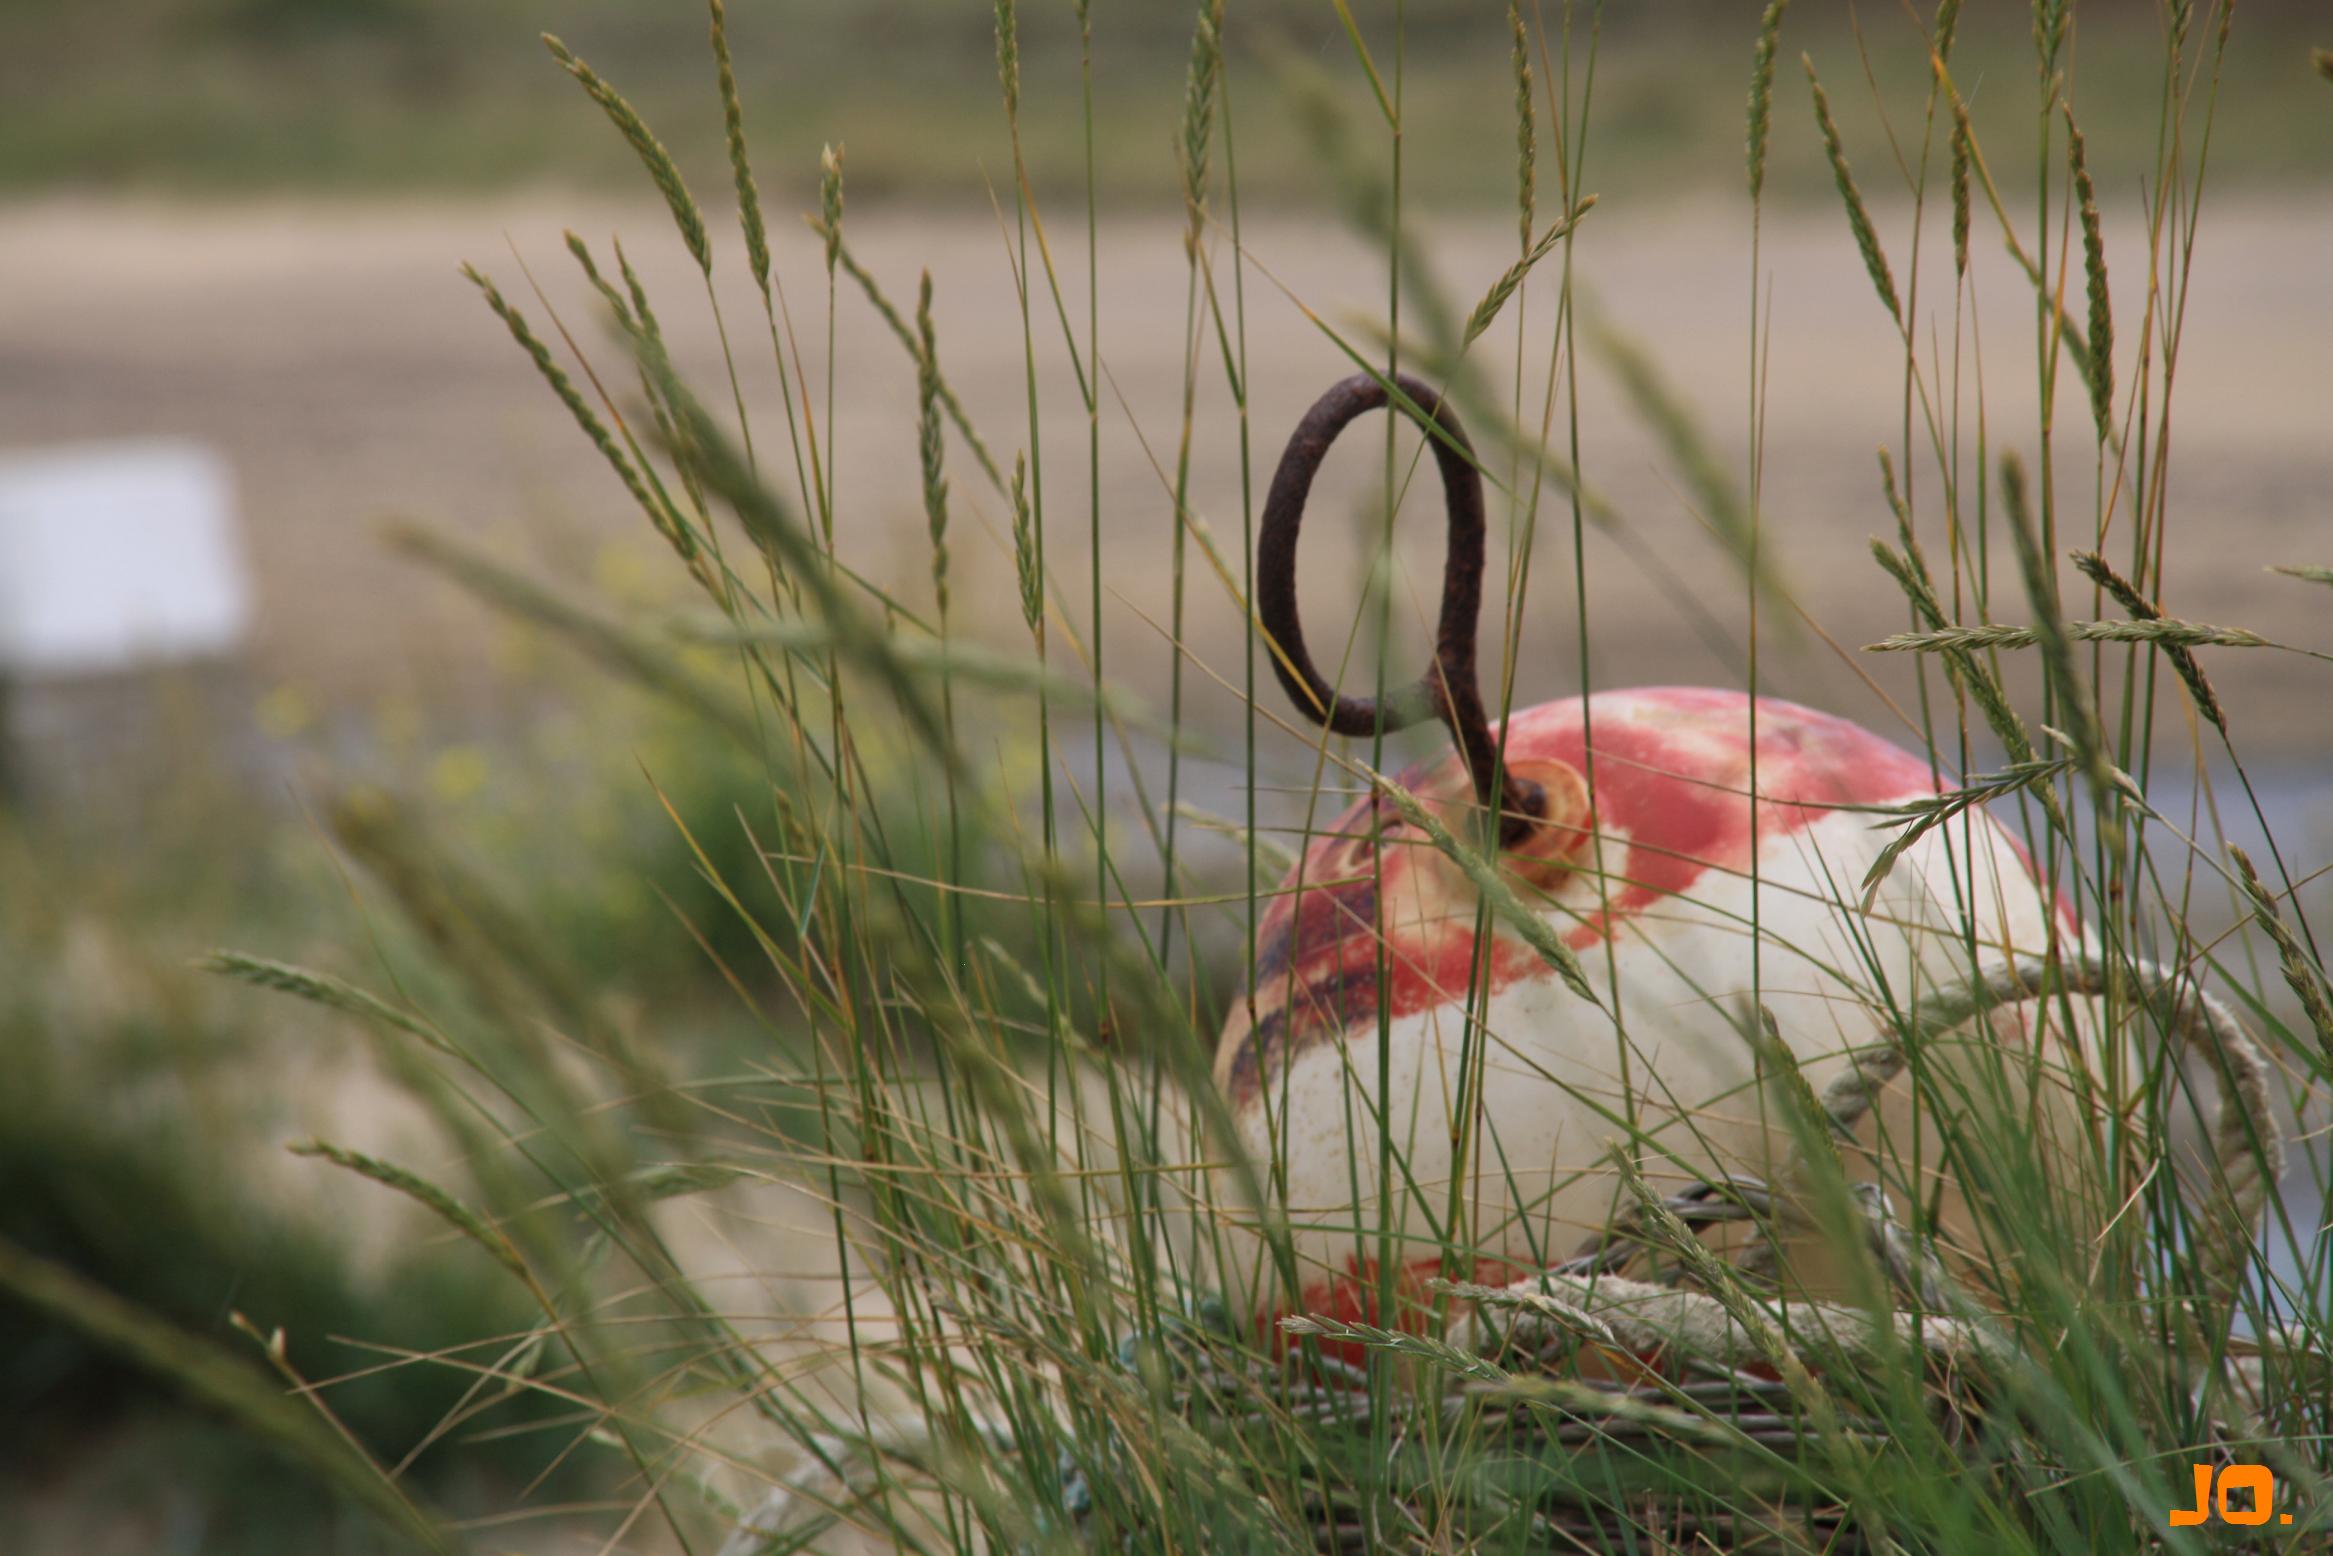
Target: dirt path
x,y
349,372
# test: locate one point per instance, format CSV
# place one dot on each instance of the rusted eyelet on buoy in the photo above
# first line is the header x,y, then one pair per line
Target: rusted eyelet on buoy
x,y
1448,690
1549,845
1540,855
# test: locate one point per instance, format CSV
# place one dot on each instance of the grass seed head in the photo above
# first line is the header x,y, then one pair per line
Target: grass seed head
x,y
606,289
1762,93
2302,975
928,440
1974,675
1526,126
1486,312
1199,88
1008,58
830,202
1960,191
2101,572
2049,32
662,171
2100,363
414,1187
585,417
1026,562
749,215
1859,219
2075,707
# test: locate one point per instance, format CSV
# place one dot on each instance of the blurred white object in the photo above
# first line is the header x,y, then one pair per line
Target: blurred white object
x,y
118,556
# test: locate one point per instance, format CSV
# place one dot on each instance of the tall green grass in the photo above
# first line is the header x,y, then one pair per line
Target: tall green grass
x,y
984,998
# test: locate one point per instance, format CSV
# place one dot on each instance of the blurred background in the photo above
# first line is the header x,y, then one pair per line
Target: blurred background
x,y
235,343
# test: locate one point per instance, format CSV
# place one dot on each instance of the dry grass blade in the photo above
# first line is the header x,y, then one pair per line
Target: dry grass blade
x,y
423,1192
1859,219
1274,858
661,169
927,656
2305,572
1368,65
2101,572
2306,979
1487,311
1762,92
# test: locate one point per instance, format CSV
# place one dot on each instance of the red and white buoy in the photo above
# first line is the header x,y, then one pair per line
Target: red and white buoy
x,y
1631,830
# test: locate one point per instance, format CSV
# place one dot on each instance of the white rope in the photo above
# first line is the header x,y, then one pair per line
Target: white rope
x,y
2246,1144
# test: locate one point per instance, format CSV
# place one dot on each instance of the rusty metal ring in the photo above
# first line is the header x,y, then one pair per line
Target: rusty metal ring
x,y
1448,690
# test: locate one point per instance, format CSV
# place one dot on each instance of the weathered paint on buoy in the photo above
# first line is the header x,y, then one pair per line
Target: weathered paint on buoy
x,y
1642,860
1417,1087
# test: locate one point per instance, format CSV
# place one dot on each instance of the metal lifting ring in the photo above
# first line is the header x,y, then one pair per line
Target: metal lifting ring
x,y
1448,690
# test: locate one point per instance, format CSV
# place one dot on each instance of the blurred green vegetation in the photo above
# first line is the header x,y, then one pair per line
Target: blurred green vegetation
x,y
140,1149
587,870
405,96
